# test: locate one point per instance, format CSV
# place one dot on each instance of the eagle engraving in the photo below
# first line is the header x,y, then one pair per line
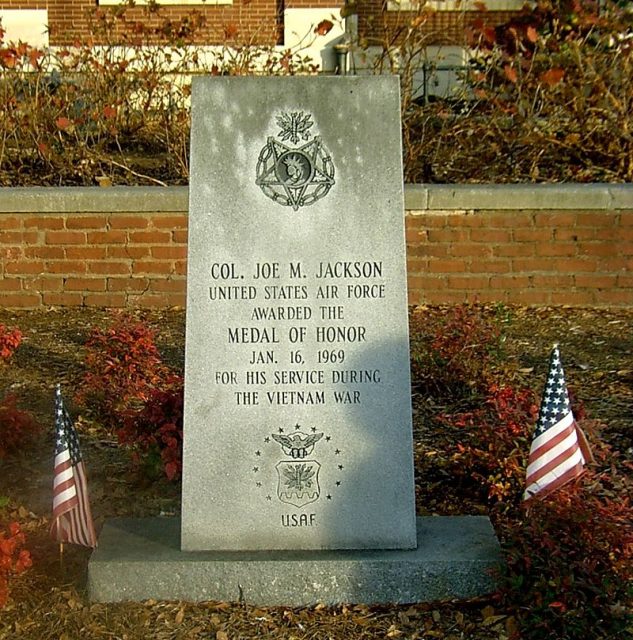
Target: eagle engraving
x,y
298,445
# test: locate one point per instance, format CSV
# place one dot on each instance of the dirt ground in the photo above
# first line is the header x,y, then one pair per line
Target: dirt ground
x,y
49,601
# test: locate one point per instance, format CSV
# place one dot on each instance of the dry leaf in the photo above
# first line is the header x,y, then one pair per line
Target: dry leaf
x,y
403,617
103,181
324,27
491,620
552,77
512,626
510,73
63,123
487,612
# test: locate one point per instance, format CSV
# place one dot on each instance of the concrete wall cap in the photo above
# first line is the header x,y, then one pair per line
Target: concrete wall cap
x,y
519,196
417,197
93,199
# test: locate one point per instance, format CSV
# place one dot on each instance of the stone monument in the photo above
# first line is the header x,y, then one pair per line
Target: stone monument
x,y
297,402
298,469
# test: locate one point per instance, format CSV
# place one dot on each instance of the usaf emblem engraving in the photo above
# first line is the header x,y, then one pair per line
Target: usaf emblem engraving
x,y
295,169
298,474
298,480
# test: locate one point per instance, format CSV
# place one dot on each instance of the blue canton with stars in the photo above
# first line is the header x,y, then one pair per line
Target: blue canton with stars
x,y
65,431
555,405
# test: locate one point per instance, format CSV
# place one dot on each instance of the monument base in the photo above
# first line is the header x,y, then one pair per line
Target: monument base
x,y
140,558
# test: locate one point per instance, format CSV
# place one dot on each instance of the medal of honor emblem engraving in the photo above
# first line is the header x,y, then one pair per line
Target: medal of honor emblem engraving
x,y
295,170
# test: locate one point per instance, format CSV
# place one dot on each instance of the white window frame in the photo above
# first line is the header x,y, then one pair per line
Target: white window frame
x,y
198,3
27,25
455,5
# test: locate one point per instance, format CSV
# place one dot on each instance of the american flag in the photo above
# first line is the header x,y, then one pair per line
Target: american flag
x,y
559,449
72,517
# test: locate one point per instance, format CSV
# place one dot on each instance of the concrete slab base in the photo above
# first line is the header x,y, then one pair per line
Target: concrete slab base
x,y
140,558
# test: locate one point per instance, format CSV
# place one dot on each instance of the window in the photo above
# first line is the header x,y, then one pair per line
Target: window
x,y
456,5
168,2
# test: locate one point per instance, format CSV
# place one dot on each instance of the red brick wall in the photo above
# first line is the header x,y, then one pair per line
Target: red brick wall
x,y
255,21
247,21
438,27
23,4
524,257
103,260
72,254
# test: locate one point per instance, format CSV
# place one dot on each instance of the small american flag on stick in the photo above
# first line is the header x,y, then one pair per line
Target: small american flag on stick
x,y
72,517
559,449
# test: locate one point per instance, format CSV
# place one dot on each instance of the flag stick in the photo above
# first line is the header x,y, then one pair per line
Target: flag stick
x,y
61,556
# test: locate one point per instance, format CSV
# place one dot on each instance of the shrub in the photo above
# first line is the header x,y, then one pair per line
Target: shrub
x,y
14,559
493,444
545,97
154,433
131,390
9,341
123,368
118,111
454,351
17,427
552,97
569,561
569,558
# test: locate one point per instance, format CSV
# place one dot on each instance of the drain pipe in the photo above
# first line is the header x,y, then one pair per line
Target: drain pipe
x,y
342,52
344,48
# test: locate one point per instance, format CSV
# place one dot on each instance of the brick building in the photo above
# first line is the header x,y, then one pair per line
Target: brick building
x,y
281,22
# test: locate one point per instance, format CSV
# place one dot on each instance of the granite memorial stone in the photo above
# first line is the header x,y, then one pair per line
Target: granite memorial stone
x,y
297,401
298,471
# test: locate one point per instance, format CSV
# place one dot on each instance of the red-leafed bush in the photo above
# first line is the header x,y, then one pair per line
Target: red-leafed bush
x,y
568,573
454,351
569,560
123,368
155,432
14,558
17,427
569,556
493,443
129,388
9,341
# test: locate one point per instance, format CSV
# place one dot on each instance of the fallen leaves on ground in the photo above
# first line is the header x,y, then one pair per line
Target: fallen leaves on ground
x,y
49,601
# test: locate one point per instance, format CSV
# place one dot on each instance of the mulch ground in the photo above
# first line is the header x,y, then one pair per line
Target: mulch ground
x,y
49,601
